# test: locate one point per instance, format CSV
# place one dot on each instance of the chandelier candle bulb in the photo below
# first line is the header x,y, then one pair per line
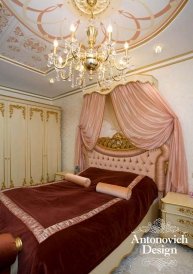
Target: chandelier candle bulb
x,y
77,63
110,30
55,46
72,29
126,46
60,60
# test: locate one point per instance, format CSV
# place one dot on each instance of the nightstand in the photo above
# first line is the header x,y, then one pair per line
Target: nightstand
x,y
177,210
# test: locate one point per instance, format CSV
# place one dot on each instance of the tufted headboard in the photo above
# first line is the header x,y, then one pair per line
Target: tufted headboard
x,y
118,153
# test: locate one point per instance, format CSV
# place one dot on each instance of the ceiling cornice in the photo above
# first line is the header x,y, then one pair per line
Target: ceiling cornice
x,y
14,62
143,69
22,92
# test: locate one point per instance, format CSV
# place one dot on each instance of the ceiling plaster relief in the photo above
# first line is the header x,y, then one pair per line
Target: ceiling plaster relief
x,y
37,23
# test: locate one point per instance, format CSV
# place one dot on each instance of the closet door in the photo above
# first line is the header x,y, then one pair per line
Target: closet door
x,y
36,145
2,147
52,144
17,144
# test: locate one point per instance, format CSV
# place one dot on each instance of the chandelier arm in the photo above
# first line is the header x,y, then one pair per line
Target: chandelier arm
x,y
101,60
117,80
119,68
64,64
64,78
99,83
74,56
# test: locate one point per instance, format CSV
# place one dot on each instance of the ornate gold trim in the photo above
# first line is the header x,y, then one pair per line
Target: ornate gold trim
x,y
24,182
117,142
42,179
186,211
185,222
185,234
2,108
84,6
3,186
22,108
50,112
32,109
11,183
18,243
31,181
48,178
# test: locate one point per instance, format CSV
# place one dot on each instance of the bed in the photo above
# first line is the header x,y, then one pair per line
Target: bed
x,y
66,228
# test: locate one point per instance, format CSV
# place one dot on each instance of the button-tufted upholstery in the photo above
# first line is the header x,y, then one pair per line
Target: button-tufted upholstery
x,y
150,163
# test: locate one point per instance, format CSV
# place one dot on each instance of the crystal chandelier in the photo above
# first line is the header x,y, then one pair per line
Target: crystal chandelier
x,y
77,63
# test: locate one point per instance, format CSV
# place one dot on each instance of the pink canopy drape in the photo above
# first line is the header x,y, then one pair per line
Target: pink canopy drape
x,y
89,126
148,121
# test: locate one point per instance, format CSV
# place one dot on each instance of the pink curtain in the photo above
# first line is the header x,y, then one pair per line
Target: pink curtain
x,y
89,126
147,120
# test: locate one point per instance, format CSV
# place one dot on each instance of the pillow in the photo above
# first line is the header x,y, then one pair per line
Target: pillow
x,y
118,191
82,181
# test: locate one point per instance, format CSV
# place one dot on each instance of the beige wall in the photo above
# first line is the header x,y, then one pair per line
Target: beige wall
x,y
175,85
71,108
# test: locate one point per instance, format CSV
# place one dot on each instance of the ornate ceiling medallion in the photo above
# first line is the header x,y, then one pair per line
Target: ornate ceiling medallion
x,y
98,6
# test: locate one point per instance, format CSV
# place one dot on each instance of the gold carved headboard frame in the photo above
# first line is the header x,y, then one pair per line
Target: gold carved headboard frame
x,y
118,153
118,142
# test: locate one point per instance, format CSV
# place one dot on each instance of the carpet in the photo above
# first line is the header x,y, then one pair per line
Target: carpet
x,y
155,257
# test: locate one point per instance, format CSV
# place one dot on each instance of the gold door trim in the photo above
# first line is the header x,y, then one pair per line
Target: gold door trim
x,y
50,112
2,109
34,109
24,182
22,108
3,186
31,111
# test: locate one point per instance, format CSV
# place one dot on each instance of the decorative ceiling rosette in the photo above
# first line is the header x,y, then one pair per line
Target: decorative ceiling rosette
x,y
98,6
